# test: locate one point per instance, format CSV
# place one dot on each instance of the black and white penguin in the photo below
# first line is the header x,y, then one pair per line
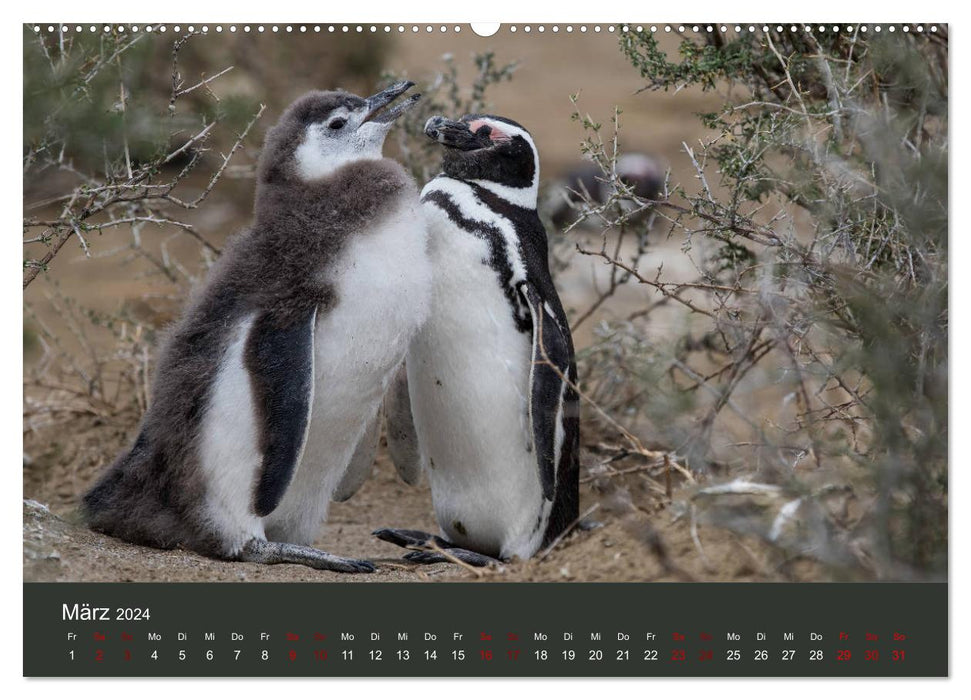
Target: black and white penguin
x,y
267,388
643,174
496,425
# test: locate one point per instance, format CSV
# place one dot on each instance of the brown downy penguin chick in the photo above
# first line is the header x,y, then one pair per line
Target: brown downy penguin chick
x,y
269,381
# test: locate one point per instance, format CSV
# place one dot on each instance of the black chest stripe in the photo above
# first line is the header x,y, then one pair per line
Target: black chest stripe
x,y
497,253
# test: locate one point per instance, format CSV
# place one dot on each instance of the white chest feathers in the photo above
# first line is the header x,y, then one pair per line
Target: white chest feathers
x,y
383,284
468,374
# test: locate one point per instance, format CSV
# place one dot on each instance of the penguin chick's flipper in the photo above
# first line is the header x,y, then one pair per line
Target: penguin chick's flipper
x,y
264,552
280,361
402,436
359,468
551,362
429,548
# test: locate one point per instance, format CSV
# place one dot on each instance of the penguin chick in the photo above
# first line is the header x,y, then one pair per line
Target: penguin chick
x,y
266,385
491,375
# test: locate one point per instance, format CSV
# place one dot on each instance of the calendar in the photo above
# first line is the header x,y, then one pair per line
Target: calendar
x,y
485,630
546,349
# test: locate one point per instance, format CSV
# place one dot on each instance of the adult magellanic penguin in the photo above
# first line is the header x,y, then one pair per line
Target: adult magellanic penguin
x,y
274,374
491,375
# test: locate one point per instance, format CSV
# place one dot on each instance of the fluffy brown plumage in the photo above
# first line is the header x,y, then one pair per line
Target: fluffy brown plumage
x,y
154,493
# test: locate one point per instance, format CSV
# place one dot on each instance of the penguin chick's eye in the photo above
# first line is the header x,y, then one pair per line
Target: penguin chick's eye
x,y
337,123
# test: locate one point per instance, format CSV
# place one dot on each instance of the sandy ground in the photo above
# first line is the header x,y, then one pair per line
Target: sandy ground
x,y
650,543
61,549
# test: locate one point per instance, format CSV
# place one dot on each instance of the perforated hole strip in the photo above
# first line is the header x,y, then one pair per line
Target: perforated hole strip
x,y
564,29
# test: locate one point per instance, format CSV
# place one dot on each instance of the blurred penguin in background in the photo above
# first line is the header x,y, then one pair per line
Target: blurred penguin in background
x,y
644,174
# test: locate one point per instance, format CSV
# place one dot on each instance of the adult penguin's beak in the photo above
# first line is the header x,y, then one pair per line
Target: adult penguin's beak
x,y
457,134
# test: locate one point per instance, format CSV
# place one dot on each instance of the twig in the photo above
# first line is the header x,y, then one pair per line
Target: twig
x,y
201,83
215,178
697,540
433,547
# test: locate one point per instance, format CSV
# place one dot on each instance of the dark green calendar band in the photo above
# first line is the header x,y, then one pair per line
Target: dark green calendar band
x,y
482,630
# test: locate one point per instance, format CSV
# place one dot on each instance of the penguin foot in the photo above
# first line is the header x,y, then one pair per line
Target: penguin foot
x,y
448,555
411,539
431,549
264,552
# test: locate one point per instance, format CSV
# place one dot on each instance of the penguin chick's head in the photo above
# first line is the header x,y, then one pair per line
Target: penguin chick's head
x,y
322,131
493,151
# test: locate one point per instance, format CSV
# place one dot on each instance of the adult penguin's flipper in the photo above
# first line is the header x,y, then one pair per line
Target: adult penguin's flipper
x,y
280,361
402,436
551,364
359,468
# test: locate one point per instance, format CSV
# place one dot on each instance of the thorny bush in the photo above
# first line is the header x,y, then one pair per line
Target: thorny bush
x,y
808,362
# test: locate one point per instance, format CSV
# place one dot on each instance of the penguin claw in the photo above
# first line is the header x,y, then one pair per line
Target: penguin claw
x,y
357,566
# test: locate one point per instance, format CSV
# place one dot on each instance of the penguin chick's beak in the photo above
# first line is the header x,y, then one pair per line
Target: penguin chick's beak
x,y
376,103
458,135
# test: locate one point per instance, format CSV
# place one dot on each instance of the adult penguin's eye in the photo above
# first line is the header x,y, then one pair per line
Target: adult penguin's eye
x,y
337,123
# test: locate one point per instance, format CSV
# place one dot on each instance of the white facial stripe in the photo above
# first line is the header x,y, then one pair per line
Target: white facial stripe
x,y
637,164
321,153
470,206
520,196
